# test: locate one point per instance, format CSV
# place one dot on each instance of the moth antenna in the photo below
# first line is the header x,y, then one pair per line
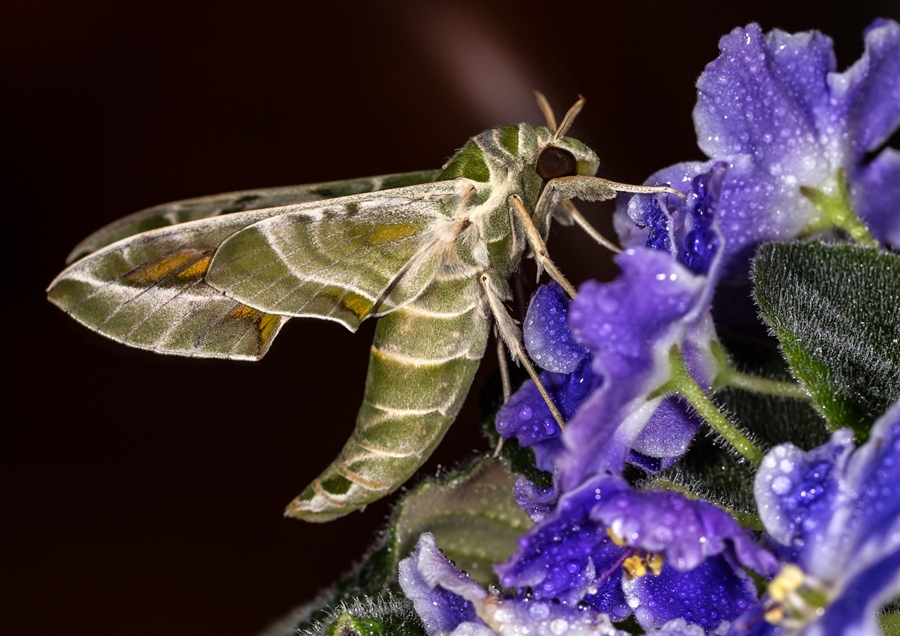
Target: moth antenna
x,y
547,110
569,119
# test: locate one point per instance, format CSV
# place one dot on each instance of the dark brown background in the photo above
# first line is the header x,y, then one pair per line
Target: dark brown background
x,y
143,494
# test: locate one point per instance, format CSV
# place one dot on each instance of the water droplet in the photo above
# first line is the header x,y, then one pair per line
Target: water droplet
x,y
539,611
781,485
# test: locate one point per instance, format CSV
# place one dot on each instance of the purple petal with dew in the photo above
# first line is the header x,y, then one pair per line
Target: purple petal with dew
x,y
796,491
867,95
836,513
546,333
570,556
865,521
706,596
759,97
629,325
563,555
686,531
438,590
876,196
526,416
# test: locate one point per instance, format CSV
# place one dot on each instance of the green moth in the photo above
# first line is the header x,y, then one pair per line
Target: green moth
x,y
427,253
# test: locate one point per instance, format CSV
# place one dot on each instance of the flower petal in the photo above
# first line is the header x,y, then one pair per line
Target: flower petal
x,y
439,592
870,90
759,97
630,325
876,196
546,334
707,596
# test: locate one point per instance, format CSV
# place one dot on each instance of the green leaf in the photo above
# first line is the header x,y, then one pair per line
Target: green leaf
x,y
349,625
474,518
834,309
769,419
476,522
890,624
388,615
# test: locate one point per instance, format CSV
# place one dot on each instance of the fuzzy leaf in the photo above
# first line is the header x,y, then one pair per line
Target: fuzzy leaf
x,y
474,518
834,309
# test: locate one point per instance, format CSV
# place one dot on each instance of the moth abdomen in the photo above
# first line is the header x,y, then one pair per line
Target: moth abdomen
x,y
421,366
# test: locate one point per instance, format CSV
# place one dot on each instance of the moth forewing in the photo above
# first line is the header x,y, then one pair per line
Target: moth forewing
x,y
345,260
177,212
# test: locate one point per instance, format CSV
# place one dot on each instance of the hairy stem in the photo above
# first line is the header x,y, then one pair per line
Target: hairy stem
x,y
684,385
732,378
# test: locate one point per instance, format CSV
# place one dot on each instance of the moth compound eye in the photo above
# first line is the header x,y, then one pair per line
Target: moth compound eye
x,y
555,162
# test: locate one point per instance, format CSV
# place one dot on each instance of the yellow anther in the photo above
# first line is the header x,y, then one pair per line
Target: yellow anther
x,y
655,563
786,582
774,614
635,567
615,538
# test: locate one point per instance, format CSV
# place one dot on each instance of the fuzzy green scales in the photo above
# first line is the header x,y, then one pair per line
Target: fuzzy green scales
x,y
427,253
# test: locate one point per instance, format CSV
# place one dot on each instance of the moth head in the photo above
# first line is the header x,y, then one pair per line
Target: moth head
x,y
564,157
558,155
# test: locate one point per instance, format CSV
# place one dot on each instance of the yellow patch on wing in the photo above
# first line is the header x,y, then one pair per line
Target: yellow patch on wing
x,y
197,270
359,305
264,323
391,233
188,264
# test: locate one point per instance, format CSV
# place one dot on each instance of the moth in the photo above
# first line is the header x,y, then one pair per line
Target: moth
x,y
426,253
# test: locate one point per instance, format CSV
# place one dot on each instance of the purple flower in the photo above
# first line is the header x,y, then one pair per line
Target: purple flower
x,y
772,107
833,514
660,301
449,602
790,140
657,554
568,378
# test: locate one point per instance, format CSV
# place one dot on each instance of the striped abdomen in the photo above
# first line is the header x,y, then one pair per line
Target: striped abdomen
x,y
421,366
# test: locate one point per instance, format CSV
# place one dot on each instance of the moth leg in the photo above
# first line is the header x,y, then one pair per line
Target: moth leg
x,y
504,380
538,247
509,335
504,370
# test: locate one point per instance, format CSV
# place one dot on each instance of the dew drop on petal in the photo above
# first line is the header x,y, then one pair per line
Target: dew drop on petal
x,y
781,485
539,611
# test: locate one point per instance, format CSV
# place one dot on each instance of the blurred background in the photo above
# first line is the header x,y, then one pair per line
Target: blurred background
x,y
143,494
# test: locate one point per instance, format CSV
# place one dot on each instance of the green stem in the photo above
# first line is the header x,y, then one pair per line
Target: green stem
x,y
837,212
739,380
728,376
682,383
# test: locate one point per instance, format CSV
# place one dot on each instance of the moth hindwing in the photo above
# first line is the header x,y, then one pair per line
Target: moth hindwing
x,y
427,253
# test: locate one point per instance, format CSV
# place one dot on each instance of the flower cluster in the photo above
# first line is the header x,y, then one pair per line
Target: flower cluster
x,y
633,364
